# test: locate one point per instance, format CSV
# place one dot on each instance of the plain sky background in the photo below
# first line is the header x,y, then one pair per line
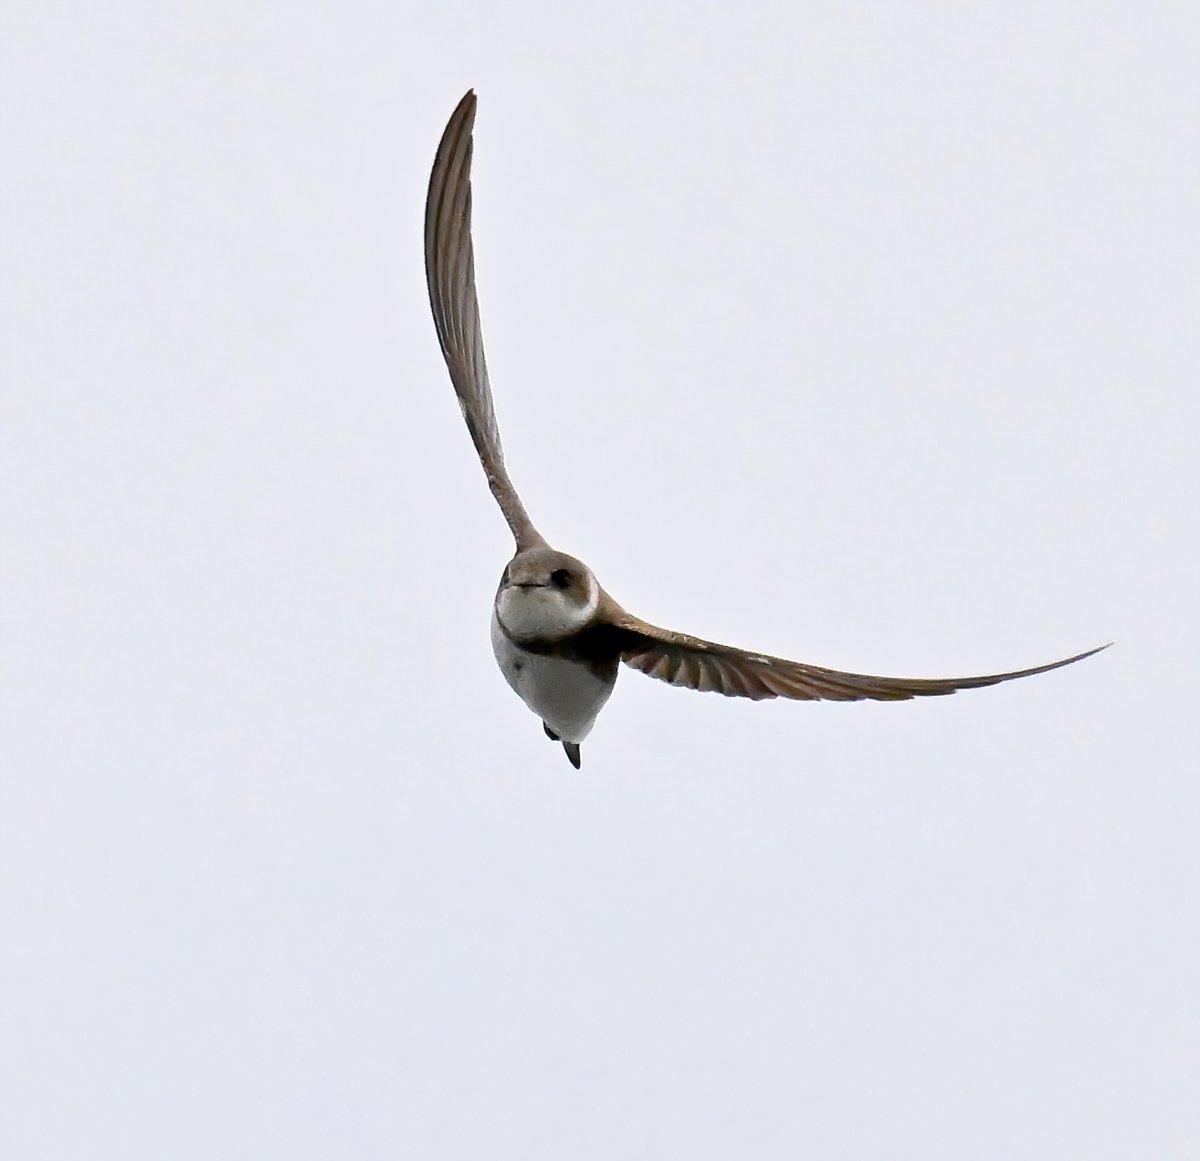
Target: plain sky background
x,y
860,333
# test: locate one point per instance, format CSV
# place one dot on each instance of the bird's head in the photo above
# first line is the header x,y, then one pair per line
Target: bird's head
x,y
546,595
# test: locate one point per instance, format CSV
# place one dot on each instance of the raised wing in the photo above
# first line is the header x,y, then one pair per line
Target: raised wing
x,y
450,273
705,665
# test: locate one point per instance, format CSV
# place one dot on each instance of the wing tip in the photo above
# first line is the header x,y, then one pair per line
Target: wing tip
x,y
1083,656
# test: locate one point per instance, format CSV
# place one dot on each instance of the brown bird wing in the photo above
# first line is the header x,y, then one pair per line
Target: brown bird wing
x,y
450,273
705,665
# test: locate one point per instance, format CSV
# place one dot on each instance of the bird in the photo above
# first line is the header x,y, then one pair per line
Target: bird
x,y
557,636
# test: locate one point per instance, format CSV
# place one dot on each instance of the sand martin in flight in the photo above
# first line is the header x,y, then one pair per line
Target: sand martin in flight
x,y
557,635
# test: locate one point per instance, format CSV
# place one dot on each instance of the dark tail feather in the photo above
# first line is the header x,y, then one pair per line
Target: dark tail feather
x,y
570,748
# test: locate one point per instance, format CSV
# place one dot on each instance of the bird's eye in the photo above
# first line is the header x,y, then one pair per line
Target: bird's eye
x,y
560,578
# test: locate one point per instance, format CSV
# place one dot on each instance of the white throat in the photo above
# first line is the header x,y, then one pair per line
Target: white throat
x,y
544,613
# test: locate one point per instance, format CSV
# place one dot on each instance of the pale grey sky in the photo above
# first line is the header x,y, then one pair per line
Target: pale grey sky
x,y
863,334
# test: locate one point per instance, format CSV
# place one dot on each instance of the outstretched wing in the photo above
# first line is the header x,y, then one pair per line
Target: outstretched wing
x,y
450,273
705,665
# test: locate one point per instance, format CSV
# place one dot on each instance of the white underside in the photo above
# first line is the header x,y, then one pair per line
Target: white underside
x,y
566,695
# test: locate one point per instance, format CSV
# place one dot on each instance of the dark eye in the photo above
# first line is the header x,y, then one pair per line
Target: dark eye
x,y
560,578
